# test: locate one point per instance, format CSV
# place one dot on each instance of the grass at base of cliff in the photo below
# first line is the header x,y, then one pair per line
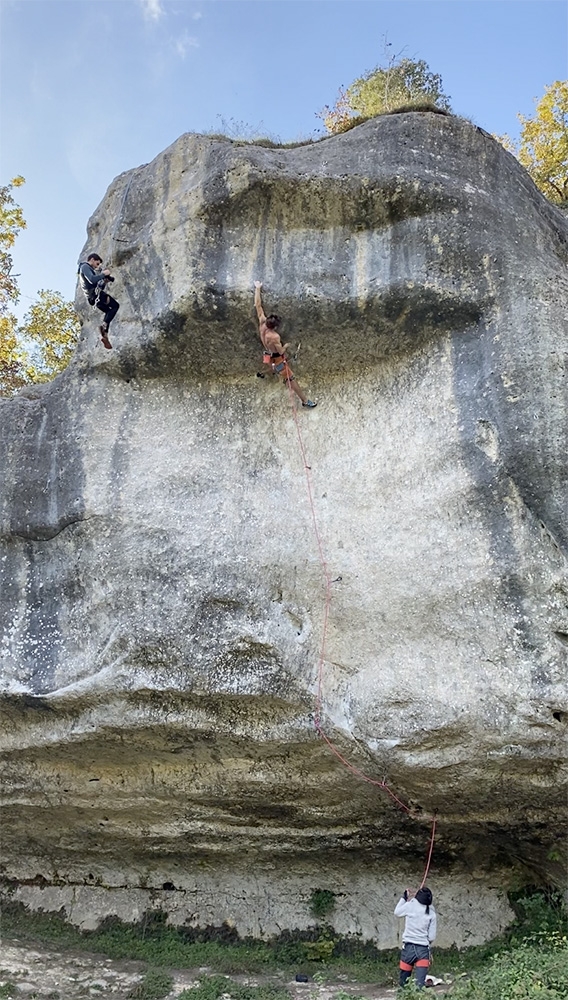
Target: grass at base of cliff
x,y
531,960
155,985
219,988
219,948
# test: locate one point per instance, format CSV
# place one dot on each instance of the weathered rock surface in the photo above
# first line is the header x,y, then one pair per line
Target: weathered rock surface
x,y
162,595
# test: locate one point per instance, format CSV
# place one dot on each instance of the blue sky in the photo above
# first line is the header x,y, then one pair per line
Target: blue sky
x,y
89,89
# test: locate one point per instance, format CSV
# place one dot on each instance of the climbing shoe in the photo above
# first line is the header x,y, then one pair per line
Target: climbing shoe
x,y
104,337
309,404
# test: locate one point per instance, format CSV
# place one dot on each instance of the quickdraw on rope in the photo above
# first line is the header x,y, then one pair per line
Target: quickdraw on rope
x,y
321,659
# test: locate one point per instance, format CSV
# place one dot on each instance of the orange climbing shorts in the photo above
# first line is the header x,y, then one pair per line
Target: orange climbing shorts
x,y
281,368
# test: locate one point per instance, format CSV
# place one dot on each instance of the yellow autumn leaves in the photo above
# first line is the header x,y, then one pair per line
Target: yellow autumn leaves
x,y
39,347
543,148
543,145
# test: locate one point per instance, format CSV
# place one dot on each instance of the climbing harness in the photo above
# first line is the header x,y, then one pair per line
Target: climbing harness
x,y
279,365
318,725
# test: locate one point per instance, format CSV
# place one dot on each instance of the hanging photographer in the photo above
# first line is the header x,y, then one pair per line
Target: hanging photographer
x,y
93,282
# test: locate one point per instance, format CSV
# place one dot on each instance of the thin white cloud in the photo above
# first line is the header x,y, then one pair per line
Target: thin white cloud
x,y
197,15
152,9
185,43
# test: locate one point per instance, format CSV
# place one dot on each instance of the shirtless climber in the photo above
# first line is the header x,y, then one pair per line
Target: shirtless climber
x,y
94,282
274,349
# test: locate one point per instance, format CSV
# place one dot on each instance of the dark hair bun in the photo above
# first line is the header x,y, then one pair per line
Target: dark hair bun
x,y
424,896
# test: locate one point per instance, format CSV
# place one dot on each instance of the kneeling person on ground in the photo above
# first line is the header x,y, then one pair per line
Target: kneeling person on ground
x,y
94,282
419,933
274,349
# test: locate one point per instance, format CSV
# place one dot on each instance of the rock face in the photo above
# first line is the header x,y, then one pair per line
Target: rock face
x,y
163,597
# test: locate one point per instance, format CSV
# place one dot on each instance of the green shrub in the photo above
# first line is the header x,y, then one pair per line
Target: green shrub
x,y
320,950
155,985
525,972
322,903
214,987
537,912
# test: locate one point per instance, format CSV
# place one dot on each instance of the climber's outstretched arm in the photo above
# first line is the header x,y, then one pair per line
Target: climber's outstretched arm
x,y
258,302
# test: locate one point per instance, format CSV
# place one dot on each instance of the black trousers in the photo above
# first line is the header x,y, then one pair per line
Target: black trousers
x,y
108,305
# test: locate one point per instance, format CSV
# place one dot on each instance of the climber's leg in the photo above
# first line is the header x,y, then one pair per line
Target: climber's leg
x,y
109,306
288,375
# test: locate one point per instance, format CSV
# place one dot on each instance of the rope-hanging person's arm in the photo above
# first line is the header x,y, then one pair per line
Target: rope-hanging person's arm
x,y
258,302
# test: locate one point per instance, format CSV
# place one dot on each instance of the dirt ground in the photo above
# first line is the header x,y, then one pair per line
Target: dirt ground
x,y
48,974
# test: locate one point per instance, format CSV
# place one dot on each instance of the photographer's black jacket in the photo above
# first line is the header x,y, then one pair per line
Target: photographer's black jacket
x,y
90,278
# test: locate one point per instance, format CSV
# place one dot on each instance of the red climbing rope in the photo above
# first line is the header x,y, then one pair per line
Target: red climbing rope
x,y
430,850
321,660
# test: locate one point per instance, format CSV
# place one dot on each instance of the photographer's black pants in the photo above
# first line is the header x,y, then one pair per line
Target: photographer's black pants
x,y
108,305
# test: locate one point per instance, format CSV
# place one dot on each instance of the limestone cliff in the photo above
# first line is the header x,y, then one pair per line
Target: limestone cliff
x,y
162,594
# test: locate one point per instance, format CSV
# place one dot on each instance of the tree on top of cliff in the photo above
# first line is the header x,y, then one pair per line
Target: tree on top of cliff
x,y
543,146
401,83
40,347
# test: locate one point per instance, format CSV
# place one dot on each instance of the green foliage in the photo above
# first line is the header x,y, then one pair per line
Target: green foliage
x,y
215,987
544,143
13,358
530,962
543,146
155,985
526,972
322,903
40,347
152,940
539,914
244,134
401,83
344,995
11,223
410,990
8,990
53,327
240,131
320,950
